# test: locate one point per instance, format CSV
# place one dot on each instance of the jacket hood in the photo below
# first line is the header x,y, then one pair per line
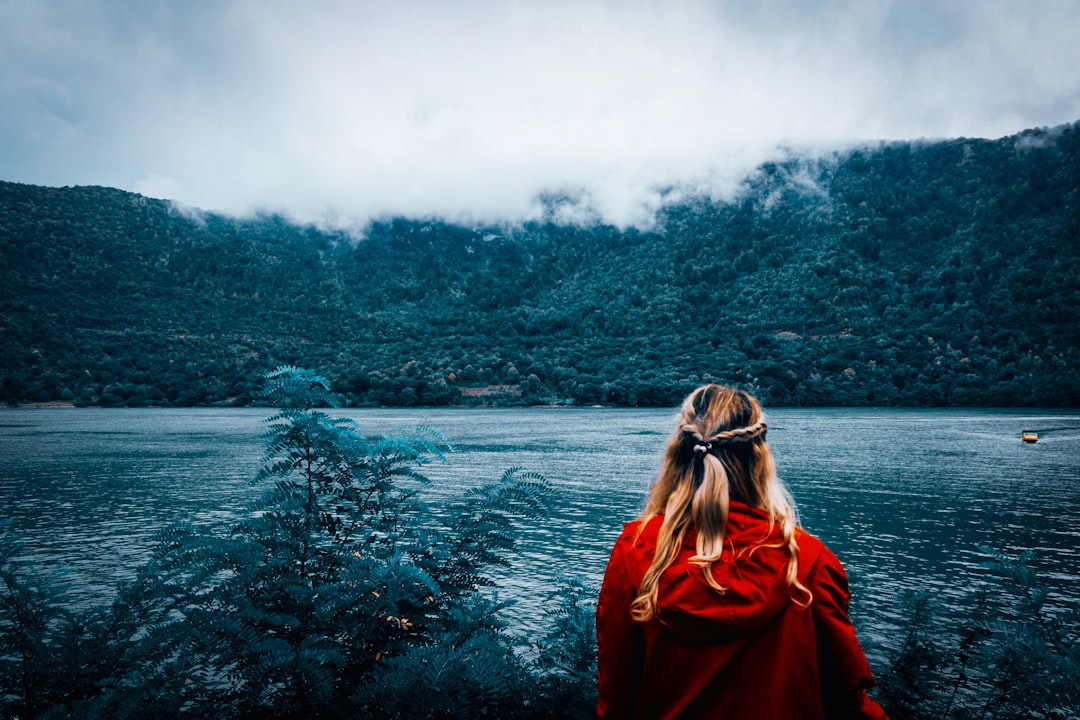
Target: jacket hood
x,y
753,577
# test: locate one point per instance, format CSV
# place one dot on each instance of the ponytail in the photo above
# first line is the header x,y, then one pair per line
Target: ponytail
x,y
718,452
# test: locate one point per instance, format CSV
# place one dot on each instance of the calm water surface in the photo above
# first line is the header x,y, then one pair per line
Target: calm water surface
x,y
904,497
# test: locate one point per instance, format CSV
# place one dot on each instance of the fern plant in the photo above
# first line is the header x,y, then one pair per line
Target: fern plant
x,y
305,605
28,616
338,595
566,657
988,658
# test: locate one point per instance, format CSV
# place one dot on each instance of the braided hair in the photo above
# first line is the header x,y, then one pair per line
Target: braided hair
x,y
718,453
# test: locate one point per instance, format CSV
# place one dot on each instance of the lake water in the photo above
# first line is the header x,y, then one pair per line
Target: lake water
x,y
904,497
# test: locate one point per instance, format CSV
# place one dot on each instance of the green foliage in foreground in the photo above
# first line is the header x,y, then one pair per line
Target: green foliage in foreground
x,y
999,653
339,596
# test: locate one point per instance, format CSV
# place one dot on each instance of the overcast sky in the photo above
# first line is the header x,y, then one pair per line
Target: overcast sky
x,y
469,110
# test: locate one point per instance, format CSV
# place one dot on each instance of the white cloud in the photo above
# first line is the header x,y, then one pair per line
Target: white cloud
x,y
471,110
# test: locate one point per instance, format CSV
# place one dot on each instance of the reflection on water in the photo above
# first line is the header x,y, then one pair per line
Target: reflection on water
x,y
904,497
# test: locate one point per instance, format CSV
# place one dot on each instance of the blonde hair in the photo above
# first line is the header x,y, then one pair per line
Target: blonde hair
x,y
717,453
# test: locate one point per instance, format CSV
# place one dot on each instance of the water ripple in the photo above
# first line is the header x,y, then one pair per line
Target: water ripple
x,y
904,498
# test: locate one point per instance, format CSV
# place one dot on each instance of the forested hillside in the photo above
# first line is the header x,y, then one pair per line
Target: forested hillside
x,y
924,273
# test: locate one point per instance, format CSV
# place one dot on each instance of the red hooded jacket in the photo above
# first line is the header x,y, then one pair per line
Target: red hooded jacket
x,y
750,652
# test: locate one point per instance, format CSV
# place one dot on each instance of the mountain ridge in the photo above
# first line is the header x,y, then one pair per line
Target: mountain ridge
x,y
908,273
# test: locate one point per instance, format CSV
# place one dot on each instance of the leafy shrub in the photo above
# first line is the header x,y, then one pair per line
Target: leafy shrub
x,y
998,654
338,595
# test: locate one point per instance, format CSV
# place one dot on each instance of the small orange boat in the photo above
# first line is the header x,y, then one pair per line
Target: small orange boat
x,y
1029,436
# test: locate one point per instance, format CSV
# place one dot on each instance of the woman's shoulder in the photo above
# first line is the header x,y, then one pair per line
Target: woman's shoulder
x,y
816,560
635,531
809,541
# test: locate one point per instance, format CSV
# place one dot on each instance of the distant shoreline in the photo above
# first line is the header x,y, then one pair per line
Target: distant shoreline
x,y
65,404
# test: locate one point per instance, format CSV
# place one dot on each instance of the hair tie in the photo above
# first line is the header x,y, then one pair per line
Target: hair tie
x,y
702,448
